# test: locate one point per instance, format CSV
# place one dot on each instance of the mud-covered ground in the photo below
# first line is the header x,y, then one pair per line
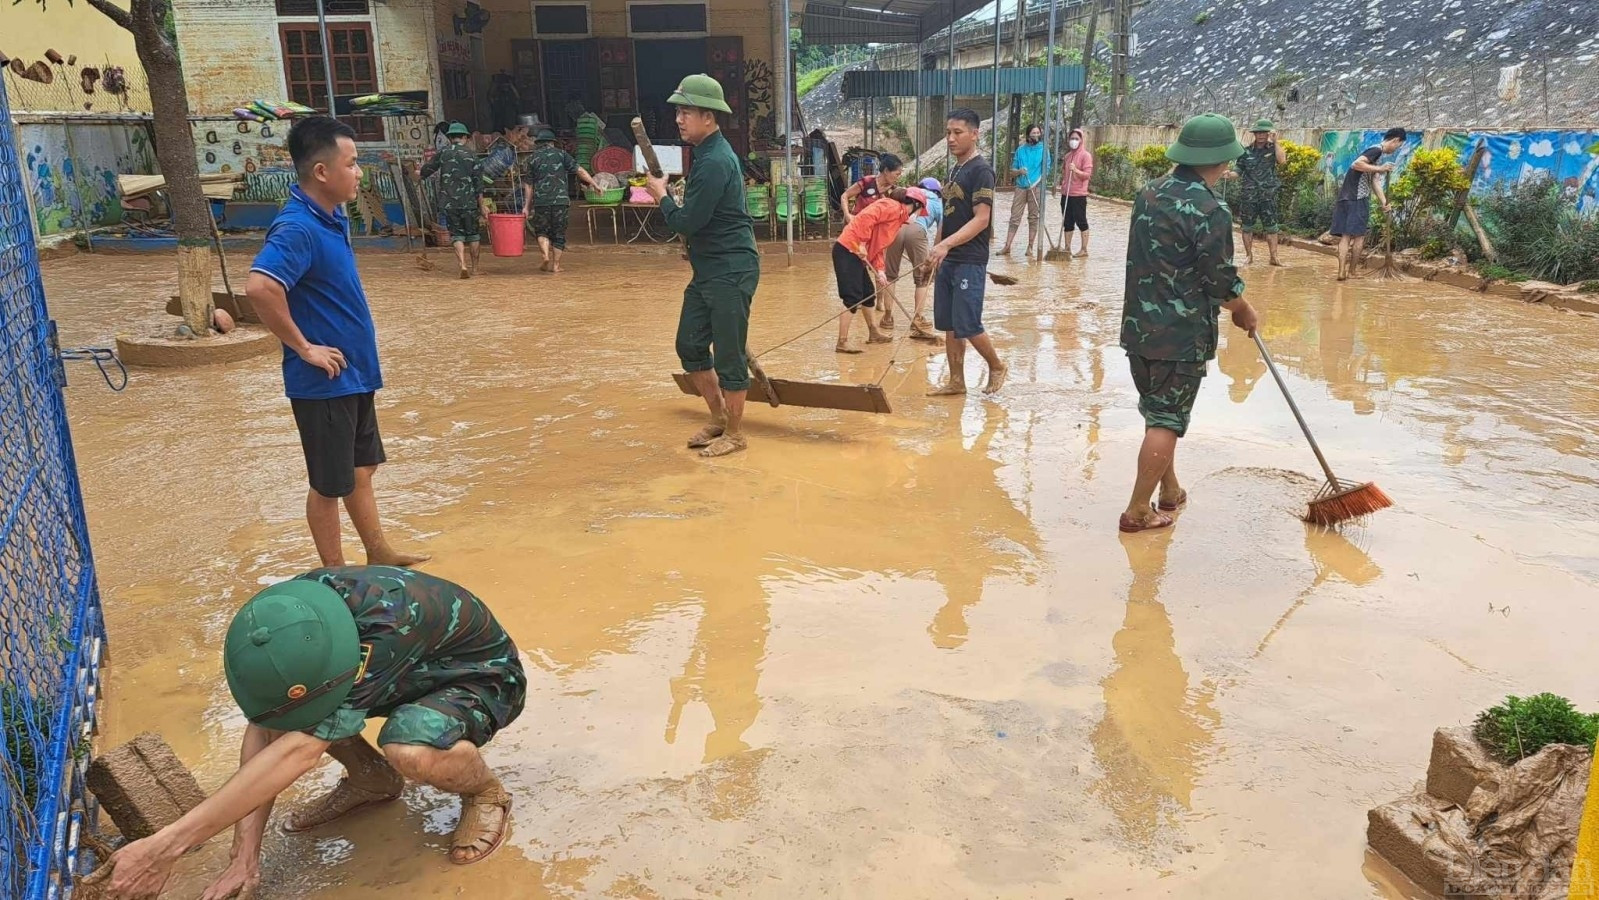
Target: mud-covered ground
x,y
891,656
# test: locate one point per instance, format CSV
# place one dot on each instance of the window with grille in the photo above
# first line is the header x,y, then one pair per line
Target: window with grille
x,y
679,19
561,19
330,7
354,69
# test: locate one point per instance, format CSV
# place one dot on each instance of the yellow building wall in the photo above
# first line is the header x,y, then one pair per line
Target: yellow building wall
x,y
27,30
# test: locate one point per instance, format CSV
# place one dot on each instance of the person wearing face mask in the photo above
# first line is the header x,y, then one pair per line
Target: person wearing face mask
x,y
1079,167
1028,166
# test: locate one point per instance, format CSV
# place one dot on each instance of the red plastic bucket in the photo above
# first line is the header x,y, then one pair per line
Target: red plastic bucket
x,y
506,236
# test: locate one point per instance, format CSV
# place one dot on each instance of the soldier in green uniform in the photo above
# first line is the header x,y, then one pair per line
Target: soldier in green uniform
x,y
308,661
461,184
544,196
1258,187
1180,274
712,219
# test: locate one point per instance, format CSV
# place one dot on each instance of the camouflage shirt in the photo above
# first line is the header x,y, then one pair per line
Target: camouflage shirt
x,y
1257,171
547,170
460,177
418,633
1179,269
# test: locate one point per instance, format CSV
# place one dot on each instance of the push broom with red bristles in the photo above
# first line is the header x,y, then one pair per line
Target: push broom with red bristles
x,y
1337,501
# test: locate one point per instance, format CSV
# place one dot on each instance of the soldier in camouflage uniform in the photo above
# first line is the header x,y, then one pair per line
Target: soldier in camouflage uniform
x,y
544,194
1258,187
1180,274
308,661
461,184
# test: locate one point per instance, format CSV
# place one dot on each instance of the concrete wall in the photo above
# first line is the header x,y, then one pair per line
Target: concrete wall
x,y
69,169
232,53
28,29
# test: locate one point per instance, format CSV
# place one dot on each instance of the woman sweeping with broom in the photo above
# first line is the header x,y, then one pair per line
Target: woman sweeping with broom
x,y
859,258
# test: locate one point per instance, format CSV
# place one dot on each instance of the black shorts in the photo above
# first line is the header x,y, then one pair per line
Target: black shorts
x,y
855,287
338,435
1075,211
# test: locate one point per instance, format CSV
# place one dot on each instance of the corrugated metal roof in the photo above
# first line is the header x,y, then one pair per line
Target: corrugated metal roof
x,y
880,21
968,82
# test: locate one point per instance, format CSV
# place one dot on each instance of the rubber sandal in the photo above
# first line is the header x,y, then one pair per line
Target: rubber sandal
x,y
344,799
1182,501
471,813
1129,526
704,436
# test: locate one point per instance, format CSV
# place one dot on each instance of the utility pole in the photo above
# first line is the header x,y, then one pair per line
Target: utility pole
x,y
1121,46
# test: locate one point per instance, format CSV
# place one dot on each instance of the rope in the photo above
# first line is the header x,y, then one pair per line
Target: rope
x,y
834,317
99,356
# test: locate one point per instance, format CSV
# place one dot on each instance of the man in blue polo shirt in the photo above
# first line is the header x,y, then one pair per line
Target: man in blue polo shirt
x,y
305,287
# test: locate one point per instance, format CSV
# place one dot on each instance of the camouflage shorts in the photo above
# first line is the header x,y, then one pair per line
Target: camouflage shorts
x,y
470,710
1166,391
466,225
1257,214
550,222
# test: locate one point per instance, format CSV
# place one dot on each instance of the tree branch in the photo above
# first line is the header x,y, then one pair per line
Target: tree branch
x,y
115,13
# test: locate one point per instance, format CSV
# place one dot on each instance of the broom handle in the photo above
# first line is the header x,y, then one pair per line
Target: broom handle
x,y
1283,386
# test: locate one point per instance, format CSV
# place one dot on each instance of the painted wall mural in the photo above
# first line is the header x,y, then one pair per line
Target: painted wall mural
x,y
1570,158
77,188
758,90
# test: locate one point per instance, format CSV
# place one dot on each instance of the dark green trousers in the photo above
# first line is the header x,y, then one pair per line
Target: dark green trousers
x,y
715,324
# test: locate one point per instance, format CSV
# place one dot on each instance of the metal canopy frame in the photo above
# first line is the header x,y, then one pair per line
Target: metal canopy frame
x,y
880,21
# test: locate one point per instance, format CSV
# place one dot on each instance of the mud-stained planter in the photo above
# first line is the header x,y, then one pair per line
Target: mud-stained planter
x,y
164,350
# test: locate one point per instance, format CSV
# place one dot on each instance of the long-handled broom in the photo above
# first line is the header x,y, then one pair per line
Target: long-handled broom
x,y
1337,501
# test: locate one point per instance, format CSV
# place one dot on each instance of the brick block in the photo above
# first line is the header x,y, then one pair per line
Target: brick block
x,y
1458,765
142,786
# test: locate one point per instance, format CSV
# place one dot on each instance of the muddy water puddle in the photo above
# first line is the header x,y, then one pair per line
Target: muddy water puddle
x,y
894,656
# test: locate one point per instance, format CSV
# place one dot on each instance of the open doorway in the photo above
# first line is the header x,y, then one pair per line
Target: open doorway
x,y
660,66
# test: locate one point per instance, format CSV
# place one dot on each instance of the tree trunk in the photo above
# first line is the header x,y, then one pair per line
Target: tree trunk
x,y
1088,67
174,150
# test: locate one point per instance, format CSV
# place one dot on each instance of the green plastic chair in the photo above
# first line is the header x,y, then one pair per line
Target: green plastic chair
x,y
785,209
817,209
758,201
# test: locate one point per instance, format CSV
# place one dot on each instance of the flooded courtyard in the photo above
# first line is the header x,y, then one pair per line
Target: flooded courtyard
x,y
882,656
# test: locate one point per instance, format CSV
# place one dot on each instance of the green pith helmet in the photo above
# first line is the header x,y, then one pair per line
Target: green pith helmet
x,y
1206,140
291,655
545,135
458,130
1263,125
701,91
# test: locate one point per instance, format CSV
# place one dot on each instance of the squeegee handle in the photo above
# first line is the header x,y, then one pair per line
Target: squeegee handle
x,y
647,148
1294,407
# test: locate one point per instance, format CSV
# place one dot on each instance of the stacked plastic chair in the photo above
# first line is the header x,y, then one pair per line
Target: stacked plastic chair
x,y
590,138
817,209
784,208
758,202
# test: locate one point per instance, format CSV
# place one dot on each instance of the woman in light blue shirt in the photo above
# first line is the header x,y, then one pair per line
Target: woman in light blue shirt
x,y
1029,166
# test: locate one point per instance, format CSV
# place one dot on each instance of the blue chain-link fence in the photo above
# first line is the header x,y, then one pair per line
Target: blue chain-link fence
x,y
51,631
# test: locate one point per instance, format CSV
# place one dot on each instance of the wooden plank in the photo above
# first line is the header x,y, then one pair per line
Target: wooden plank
x,y
238,306
870,398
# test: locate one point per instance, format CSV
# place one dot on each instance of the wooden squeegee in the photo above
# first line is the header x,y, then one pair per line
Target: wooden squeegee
x,y
869,398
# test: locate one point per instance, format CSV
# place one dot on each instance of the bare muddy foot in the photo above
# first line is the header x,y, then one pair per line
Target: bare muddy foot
x,y
880,338
948,389
996,379
846,348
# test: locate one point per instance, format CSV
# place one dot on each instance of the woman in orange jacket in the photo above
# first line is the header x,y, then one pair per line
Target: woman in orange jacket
x,y
858,259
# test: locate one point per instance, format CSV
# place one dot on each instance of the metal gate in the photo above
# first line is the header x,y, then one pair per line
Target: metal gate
x,y
51,631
